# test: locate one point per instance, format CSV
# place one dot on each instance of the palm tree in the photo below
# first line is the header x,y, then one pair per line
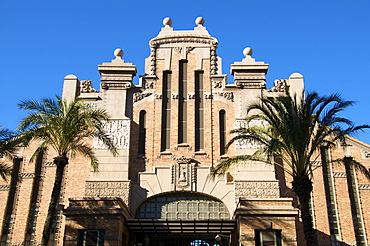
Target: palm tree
x,y
64,127
295,129
8,144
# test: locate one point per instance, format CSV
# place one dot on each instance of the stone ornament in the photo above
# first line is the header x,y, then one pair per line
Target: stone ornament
x,y
119,131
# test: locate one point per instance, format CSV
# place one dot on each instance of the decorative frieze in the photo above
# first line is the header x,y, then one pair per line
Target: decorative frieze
x,y
108,189
256,189
118,131
339,174
157,96
227,95
364,186
208,96
26,175
139,96
4,187
49,164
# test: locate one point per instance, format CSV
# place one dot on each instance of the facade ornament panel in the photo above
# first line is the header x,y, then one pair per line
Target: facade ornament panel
x,y
256,189
108,189
139,96
119,131
86,86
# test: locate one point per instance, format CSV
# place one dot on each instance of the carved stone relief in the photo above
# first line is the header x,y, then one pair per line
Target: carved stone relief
x,y
280,86
108,189
248,144
86,86
183,172
118,131
256,189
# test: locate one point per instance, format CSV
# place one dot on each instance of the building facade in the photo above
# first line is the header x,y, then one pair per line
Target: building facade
x,y
170,130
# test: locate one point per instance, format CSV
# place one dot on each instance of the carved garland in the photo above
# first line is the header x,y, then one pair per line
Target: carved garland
x,y
139,96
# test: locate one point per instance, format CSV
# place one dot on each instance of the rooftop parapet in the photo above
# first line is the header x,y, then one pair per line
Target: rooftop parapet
x,y
249,74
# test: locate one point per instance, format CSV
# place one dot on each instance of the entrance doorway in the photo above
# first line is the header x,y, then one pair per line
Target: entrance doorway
x,y
182,240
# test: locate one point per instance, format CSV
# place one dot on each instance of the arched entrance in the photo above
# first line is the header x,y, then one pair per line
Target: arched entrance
x,y
182,218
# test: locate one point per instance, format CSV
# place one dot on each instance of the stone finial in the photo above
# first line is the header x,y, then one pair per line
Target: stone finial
x,y
199,21
167,21
118,53
247,51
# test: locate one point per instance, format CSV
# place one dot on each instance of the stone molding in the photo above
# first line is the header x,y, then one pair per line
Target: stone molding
x,y
115,86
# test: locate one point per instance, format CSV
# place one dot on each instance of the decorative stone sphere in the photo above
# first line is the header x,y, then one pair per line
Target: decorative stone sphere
x,y
199,21
118,53
247,51
167,21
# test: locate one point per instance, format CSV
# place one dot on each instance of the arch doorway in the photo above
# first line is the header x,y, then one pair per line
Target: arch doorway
x,y
182,218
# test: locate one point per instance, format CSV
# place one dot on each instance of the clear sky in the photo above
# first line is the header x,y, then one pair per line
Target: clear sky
x,y
43,41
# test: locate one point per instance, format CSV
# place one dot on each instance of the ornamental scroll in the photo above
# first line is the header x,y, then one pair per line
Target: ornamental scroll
x,y
118,131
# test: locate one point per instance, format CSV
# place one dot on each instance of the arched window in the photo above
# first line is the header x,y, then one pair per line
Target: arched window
x,y
142,132
222,126
182,205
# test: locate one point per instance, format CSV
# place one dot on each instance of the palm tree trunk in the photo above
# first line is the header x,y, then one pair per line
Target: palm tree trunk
x,y
302,186
60,162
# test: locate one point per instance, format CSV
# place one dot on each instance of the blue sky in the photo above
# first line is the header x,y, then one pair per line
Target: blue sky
x,y
43,41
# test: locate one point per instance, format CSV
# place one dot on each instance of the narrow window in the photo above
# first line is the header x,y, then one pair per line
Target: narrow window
x,y
268,237
166,111
91,237
199,111
142,132
183,83
222,125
